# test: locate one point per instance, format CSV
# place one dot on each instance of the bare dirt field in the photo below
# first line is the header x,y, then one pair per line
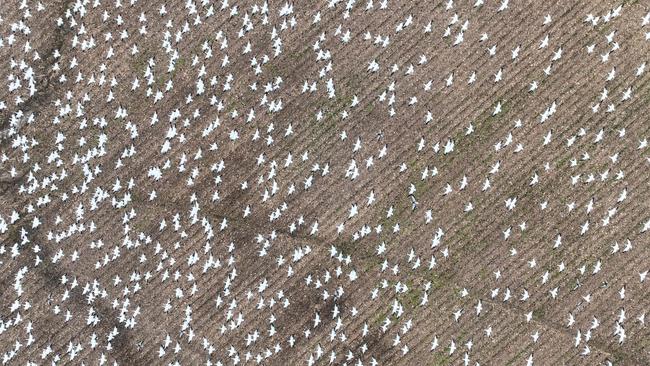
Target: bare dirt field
x,y
366,182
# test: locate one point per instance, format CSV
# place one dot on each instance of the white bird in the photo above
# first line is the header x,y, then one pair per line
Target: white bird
x,y
544,42
497,109
503,6
529,360
434,343
515,52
